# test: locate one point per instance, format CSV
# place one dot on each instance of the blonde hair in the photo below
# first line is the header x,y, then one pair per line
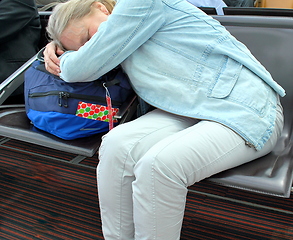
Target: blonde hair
x,y
63,13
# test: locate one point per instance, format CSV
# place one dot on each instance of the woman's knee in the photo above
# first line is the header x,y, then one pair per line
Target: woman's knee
x,y
115,140
162,167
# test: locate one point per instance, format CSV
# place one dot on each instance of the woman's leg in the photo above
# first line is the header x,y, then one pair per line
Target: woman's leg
x,y
163,174
146,166
121,148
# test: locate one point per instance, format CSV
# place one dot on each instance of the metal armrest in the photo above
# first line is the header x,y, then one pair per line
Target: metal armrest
x,y
12,106
125,106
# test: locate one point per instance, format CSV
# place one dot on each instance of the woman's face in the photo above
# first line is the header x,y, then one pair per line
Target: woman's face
x,y
78,32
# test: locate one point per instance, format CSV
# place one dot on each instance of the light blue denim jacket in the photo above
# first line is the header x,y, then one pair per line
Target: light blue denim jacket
x,y
184,62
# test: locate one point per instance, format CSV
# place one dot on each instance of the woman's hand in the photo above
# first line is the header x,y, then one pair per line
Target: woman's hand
x,y
52,62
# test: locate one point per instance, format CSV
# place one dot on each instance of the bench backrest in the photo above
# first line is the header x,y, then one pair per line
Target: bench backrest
x,y
270,41
258,11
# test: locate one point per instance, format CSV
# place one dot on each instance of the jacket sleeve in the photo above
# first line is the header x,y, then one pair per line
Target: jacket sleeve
x,y
131,24
14,16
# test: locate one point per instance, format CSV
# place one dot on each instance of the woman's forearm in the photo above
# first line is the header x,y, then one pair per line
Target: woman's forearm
x,y
130,25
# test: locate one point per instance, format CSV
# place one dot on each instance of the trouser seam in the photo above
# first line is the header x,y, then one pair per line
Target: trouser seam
x,y
128,156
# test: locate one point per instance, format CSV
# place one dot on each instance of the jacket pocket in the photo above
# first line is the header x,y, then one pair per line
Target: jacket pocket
x,y
225,79
238,85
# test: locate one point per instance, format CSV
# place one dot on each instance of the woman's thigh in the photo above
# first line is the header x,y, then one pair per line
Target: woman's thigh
x,y
163,173
202,147
202,150
133,139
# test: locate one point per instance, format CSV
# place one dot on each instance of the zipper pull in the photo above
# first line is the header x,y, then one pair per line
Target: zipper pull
x,y
65,96
60,99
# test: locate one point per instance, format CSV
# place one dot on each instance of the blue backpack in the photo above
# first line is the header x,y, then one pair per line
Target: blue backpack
x,y
74,110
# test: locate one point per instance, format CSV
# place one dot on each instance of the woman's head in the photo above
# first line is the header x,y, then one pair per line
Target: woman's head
x,y
74,22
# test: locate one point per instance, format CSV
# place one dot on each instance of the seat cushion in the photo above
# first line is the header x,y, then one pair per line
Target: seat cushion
x,y
15,124
271,174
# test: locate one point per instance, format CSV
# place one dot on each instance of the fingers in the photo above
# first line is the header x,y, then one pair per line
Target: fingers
x,y
52,62
59,51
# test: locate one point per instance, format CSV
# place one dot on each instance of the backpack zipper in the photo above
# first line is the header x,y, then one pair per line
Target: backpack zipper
x,y
63,97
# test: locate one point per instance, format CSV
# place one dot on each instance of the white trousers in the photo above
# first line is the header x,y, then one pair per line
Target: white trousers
x,y
146,166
